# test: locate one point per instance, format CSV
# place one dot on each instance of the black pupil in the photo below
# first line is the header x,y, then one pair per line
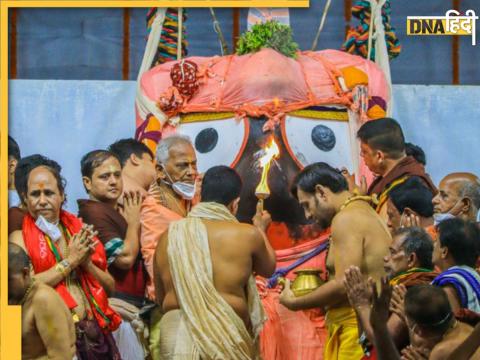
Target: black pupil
x,y
323,137
206,140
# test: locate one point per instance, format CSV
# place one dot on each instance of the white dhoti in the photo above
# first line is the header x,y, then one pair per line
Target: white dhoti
x,y
215,331
175,341
129,338
129,346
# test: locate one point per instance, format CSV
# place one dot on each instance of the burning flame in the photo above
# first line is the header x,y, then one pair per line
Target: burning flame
x,y
271,152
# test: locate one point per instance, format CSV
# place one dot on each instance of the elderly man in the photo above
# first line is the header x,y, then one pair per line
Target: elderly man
x,y
118,227
410,204
67,256
47,327
204,279
170,196
359,238
169,199
383,149
434,331
408,263
455,253
458,196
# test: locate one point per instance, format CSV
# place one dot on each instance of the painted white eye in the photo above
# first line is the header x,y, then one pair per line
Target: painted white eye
x,y
314,140
216,142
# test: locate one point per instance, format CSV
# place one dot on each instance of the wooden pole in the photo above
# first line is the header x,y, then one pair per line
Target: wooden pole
x,y
126,44
218,30
180,33
347,12
236,27
13,43
455,51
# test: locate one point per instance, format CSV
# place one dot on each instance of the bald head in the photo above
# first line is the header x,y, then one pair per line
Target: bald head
x,y
459,194
17,258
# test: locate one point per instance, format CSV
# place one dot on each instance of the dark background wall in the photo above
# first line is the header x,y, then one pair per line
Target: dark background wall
x,y
88,43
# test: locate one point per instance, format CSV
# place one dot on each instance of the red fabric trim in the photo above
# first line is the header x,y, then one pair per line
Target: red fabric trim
x,y
43,259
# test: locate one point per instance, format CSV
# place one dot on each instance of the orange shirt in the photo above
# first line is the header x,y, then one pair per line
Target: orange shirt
x,y
154,219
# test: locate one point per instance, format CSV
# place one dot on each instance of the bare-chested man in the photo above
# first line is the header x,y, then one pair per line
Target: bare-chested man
x,y
359,237
434,331
203,276
47,326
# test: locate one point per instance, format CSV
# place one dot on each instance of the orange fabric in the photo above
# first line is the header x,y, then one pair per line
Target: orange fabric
x,y
354,77
43,259
376,112
432,231
154,219
280,239
289,334
266,82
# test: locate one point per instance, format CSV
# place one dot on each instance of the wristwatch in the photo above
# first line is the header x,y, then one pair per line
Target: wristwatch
x,y
63,267
65,263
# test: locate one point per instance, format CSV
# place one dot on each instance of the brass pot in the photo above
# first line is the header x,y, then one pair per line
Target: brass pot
x,y
306,281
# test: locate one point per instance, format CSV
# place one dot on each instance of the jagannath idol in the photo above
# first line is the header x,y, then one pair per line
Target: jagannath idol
x,y
267,111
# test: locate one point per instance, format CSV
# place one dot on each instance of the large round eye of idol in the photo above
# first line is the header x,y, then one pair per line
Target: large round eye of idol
x,y
216,142
313,140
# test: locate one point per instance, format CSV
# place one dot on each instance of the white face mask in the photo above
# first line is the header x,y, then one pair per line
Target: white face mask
x,y
185,190
438,218
48,228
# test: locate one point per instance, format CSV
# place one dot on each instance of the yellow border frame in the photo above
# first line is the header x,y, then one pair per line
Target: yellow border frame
x,y
10,328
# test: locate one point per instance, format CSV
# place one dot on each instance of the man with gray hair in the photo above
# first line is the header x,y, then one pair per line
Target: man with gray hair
x,y
458,196
170,198
408,263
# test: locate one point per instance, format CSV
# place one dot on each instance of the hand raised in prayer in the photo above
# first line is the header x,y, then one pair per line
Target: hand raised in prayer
x,y
380,304
80,246
287,297
132,202
360,189
92,243
358,290
410,220
397,302
262,218
414,353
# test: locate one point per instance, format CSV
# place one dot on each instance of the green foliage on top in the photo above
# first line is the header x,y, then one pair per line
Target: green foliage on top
x,y
270,34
